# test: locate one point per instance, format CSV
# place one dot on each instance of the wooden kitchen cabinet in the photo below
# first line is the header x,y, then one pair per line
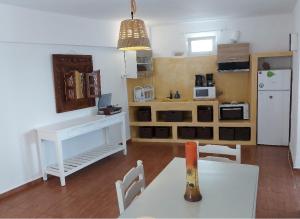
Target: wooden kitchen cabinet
x,y
138,64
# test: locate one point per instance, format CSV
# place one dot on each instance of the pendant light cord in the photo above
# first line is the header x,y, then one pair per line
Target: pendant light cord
x,y
133,8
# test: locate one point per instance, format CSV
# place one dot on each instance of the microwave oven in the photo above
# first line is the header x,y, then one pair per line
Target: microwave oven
x,y
234,111
204,93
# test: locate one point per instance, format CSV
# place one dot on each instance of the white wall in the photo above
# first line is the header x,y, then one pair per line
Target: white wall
x,y
25,25
266,33
295,126
27,90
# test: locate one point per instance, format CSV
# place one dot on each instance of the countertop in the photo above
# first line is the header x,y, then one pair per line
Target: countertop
x,y
173,101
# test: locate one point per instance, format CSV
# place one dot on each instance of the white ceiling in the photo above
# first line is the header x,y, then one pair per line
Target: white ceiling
x,y
160,11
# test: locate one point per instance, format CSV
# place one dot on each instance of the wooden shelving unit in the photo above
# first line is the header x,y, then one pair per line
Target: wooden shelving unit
x,y
191,106
171,74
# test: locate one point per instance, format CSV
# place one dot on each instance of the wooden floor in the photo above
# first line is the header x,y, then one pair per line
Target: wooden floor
x,y
91,192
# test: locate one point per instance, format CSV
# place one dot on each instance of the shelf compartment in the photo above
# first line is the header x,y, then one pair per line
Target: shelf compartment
x,y
187,132
143,114
146,132
205,133
199,133
226,133
140,114
83,160
161,132
243,134
152,132
174,116
235,133
205,113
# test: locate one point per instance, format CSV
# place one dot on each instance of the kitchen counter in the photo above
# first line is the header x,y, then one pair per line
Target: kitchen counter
x,y
174,101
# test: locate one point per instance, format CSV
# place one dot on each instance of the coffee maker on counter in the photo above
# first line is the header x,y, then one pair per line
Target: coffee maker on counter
x,y
210,80
204,87
205,81
200,81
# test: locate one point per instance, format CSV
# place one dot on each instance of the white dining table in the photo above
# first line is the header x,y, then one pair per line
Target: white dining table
x,y
229,191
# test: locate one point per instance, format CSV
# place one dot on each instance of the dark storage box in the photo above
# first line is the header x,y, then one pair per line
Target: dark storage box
x,y
205,114
146,132
242,134
227,133
205,133
187,132
174,116
162,132
144,114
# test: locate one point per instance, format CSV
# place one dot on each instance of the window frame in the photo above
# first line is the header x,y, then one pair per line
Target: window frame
x,y
190,39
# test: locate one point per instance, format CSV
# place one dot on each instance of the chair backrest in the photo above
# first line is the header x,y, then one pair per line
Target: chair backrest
x,y
220,150
132,185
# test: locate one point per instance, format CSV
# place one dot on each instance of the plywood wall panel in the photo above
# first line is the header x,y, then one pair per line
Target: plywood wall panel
x,y
172,74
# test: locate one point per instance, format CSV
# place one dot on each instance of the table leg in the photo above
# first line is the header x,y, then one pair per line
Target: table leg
x,y
60,161
106,130
42,158
124,140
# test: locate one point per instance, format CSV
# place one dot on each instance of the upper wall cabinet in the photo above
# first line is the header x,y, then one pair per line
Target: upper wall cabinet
x,y
234,57
238,52
138,64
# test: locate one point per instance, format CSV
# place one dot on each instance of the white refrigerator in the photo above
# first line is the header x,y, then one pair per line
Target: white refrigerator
x,y
274,96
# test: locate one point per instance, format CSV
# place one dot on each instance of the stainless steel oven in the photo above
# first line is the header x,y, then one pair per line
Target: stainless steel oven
x,y
234,111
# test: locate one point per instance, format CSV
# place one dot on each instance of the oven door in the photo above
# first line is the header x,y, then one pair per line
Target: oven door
x,y
232,113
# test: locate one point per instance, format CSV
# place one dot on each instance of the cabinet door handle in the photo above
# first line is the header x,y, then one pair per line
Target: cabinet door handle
x,y
271,97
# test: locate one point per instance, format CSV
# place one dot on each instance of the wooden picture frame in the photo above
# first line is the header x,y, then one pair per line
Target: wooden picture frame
x,y
65,68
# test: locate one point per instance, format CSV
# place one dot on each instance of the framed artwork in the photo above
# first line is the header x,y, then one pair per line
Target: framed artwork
x,y
76,83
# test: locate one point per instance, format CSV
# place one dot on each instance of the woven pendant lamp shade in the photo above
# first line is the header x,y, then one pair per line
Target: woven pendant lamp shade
x,y
133,35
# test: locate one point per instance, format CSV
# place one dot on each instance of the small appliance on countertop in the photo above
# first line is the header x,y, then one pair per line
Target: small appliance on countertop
x,y
105,107
210,80
204,87
200,81
234,111
143,94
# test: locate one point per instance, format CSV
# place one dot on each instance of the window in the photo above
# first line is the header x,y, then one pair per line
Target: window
x,y
202,45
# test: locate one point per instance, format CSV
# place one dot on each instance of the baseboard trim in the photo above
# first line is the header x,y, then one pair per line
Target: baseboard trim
x,y
28,184
21,188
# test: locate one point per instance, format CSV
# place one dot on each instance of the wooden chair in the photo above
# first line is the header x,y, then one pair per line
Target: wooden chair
x,y
220,150
132,185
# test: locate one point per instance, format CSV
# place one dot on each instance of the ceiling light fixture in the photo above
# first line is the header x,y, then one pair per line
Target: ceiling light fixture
x,y
133,33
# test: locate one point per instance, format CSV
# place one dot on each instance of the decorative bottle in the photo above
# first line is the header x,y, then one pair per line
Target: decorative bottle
x,y
192,193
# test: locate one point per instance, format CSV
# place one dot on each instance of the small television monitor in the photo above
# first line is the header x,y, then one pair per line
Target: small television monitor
x,y
104,101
